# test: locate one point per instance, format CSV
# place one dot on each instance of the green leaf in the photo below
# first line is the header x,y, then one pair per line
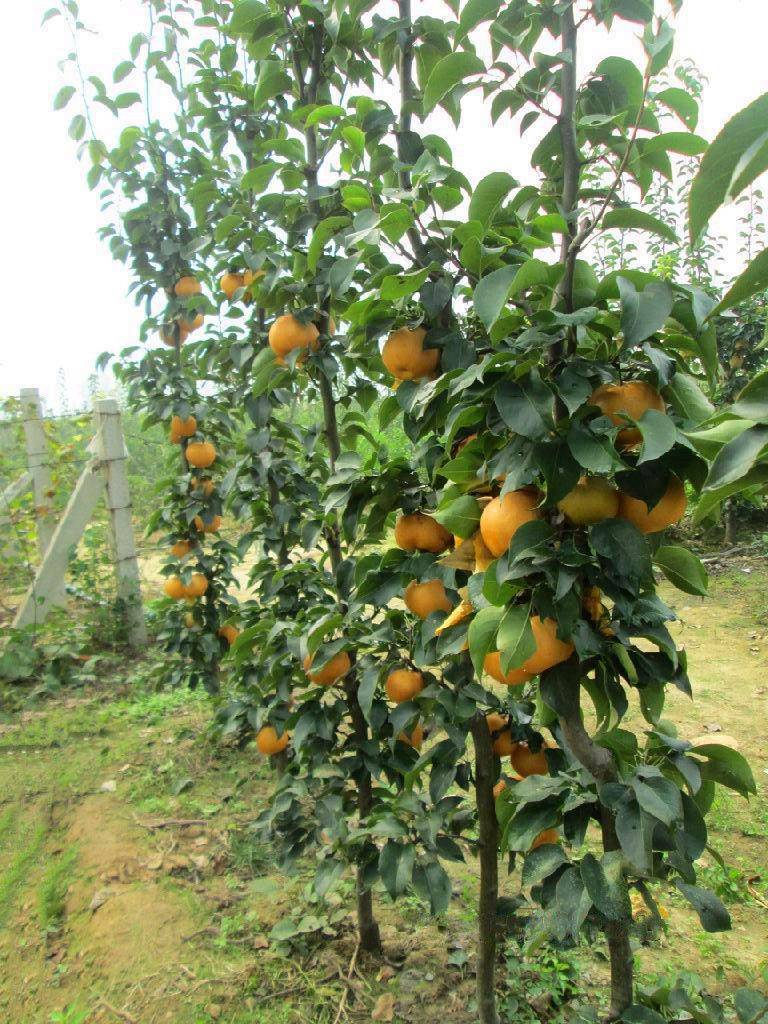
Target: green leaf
x,y
461,516
721,164
681,103
712,914
526,407
541,863
683,569
449,72
727,767
753,280
246,15
123,69
659,435
482,635
684,143
258,178
127,99
273,81
515,637
737,458
634,834
752,402
327,112
63,96
643,313
686,398
607,888
474,13
709,502
432,883
324,231
488,196
638,220
396,862
227,225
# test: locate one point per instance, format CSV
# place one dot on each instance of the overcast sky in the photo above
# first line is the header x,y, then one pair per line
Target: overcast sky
x,y
66,299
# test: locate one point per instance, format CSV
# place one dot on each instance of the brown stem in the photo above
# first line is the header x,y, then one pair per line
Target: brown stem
x,y
489,872
370,939
571,164
368,930
599,763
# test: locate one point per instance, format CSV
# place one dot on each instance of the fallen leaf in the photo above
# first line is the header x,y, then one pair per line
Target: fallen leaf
x,y
385,974
155,863
98,899
260,942
713,727
384,1008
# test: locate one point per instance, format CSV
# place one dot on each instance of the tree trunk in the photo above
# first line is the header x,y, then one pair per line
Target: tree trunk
x,y
599,762
489,872
729,537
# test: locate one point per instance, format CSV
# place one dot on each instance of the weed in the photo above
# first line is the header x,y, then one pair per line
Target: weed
x,y
71,1014
549,974
52,891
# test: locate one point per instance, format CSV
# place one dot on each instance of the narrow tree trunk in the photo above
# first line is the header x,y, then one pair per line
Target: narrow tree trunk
x,y
599,762
368,929
729,536
489,872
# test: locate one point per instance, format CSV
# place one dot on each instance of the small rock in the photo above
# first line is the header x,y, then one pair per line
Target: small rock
x,y
109,786
98,899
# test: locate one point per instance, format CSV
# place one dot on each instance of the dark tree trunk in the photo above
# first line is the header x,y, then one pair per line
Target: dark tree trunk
x,y
489,872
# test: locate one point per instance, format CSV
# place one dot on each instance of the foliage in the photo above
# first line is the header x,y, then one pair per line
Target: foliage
x,y
283,158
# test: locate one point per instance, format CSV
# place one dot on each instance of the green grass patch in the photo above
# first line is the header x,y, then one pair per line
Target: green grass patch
x,y
52,890
13,878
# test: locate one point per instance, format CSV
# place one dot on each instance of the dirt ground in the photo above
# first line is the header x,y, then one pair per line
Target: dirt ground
x,y
132,891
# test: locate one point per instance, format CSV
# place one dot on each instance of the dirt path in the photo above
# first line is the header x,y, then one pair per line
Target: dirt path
x,y
113,910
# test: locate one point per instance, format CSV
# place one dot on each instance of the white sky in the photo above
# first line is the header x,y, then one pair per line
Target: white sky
x,y
66,299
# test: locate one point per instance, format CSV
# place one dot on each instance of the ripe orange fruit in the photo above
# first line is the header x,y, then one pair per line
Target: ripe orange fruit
x,y
186,287
495,721
249,276
591,500
550,650
406,358
206,485
190,621
420,532
287,333
338,666
200,454
527,762
182,428
174,588
515,676
269,742
632,399
415,739
503,517
230,282
181,548
230,634
499,788
549,835
213,527
169,333
503,745
197,586
424,598
403,685
669,510
188,326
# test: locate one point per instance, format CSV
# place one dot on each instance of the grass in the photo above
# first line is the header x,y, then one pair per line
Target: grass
x,y
15,876
52,890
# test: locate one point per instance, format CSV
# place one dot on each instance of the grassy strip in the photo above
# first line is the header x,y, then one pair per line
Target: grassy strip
x,y
52,890
13,878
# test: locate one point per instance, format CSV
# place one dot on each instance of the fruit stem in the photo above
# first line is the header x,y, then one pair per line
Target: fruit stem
x,y
489,871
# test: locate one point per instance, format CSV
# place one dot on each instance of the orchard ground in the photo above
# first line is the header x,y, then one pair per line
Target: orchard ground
x,y
110,905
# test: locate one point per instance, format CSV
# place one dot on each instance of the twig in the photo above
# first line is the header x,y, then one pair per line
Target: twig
x,y
728,554
345,993
122,1014
171,823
